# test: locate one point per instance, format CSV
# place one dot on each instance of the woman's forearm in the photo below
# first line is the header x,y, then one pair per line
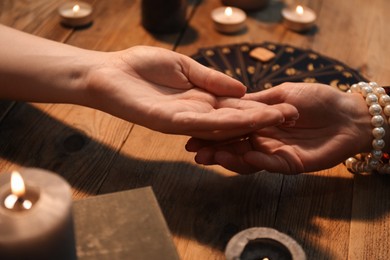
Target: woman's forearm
x,y
37,69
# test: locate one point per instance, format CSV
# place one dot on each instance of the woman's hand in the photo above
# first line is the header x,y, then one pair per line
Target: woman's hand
x,y
332,126
172,93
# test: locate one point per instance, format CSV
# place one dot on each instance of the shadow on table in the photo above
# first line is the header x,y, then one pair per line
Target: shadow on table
x,y
197,202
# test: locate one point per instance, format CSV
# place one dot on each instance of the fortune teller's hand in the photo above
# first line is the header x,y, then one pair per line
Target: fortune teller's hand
x,y
332,126
153,87
172,93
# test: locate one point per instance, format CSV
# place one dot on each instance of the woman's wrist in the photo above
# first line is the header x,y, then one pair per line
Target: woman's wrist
x,y
378,103
40,70
360,121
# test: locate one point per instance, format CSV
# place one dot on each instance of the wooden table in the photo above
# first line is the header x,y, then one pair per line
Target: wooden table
x,y
331,213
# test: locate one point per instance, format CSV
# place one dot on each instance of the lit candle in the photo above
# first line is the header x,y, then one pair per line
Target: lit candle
x,y
35,216
75,14
228,19
300,18
263,243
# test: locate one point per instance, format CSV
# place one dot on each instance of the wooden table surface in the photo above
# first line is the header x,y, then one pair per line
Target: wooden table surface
x,y
331,213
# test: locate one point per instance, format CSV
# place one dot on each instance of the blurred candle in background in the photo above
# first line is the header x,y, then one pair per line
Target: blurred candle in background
x,y
228,19
299,18
75,13
35,216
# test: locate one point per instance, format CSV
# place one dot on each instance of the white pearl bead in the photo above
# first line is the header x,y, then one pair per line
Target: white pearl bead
x,y
377,154
362,84
373,84
386,110
349,162
366,90
373,164
378,144
376,98
379,91
378,132
375,109
377,120
371,99
384,100
354,88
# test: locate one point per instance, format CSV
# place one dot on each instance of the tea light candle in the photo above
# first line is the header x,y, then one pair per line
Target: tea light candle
x,y
300,18
228,19
35,216
75,14
263,243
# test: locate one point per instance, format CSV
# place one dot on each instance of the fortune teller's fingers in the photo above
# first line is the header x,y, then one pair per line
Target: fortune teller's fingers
x,y
228,154
195,144
233,115
240,157
234,119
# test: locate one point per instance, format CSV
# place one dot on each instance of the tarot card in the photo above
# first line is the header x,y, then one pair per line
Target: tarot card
x,y
287,57
340,79
218,61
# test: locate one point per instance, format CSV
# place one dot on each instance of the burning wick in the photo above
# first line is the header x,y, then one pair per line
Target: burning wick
x,y
76,8
18,190
228,11
299,10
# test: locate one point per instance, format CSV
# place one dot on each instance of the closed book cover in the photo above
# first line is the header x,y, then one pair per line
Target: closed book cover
x,y
122,225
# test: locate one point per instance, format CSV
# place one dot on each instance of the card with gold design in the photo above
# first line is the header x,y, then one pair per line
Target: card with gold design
x,y
246,64
264,65
306,63
202,60
292,73
218,61
228,55
340,79
250,66
284,56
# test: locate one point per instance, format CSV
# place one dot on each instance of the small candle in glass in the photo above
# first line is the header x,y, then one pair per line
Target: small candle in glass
x,y
75,14
228,19
300,18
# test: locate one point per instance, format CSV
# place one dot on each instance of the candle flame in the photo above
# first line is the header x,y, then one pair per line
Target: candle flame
x,y
228,11
17,184
76,8
299,9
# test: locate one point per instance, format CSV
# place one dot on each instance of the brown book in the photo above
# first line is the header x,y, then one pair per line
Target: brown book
x,y
122,225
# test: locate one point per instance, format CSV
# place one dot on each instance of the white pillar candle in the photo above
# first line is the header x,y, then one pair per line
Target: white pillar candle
x,y
75,14
228,19
36,217
300,18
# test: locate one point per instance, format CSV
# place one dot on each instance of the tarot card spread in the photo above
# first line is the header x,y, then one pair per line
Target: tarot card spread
x,y
265,65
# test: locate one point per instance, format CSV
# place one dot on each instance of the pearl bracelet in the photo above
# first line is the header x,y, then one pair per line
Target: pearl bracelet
x,y
377,101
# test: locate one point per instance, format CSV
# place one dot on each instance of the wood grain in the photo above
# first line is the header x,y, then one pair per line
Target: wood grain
x,y
331,213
